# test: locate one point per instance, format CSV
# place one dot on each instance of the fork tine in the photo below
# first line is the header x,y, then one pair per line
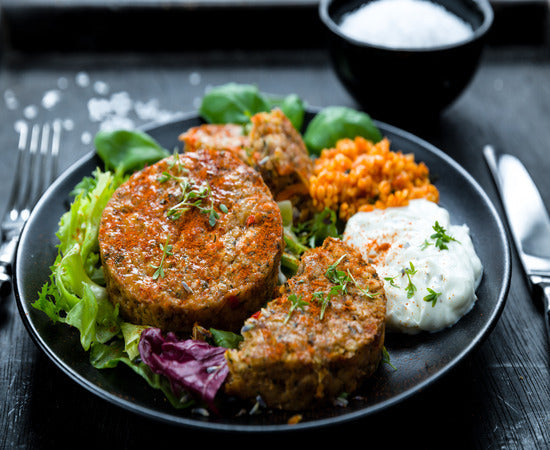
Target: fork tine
x,y
29,182
27,195
36,166
56,138
40,176
15,195
49,151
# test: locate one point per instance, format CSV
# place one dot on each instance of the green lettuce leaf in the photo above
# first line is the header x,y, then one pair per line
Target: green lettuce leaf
x,y
71,296
131,334
75,294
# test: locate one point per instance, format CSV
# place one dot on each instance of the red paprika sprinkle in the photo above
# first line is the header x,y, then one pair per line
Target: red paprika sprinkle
x,y
251,220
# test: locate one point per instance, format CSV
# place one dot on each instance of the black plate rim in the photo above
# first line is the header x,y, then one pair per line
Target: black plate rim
x,y
151,413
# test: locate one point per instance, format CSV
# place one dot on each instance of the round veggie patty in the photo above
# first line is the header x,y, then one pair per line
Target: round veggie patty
x,y
194,238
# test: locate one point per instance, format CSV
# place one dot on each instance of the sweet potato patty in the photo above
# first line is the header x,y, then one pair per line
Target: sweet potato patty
x,y
194,238
323,336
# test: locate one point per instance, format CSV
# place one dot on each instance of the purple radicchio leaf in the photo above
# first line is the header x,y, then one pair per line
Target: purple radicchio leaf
x,y
190,365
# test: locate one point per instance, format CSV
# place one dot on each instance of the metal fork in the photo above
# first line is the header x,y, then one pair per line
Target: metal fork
x,y
35,170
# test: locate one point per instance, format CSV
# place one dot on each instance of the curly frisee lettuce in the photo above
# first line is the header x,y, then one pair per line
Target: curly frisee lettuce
x,y
75,294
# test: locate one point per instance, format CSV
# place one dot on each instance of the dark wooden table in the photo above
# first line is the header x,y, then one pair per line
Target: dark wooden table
x,y
498,398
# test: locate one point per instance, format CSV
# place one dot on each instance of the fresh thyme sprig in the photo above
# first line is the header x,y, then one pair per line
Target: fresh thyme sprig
x,y
386,359
410,271
341,280
391,280
364,291
192,195
440,236
338,277
323,299
296,302
432,296
166,251
425,244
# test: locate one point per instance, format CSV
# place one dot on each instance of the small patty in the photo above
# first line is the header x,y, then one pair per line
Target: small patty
x,y
230,137
272,146
301,350
279,154
211,258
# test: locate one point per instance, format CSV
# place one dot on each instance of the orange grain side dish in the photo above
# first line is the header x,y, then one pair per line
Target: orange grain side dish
x,y
358,175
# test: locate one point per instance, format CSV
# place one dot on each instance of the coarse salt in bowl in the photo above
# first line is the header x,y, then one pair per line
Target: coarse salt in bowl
x,y
405,24
406,60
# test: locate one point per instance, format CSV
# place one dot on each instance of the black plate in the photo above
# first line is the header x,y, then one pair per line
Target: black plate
x,y
420,360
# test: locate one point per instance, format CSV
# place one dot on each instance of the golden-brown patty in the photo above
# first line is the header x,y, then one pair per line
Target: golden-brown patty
x,y
213,263
230,137
304,348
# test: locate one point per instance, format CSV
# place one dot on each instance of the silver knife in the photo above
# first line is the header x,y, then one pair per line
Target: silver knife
x,y
528,221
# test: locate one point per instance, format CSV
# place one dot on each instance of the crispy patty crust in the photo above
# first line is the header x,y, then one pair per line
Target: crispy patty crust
x,y
304,349
194,238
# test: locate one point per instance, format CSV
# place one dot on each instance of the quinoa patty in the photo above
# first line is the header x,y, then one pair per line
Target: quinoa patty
x,y
297,353
169,263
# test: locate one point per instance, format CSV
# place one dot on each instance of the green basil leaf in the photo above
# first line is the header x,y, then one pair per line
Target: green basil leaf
x,y
127,150
337,122
293,107
232,103
236,103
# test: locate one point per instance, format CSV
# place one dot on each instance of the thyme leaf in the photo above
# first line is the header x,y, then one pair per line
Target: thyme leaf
x,y
441,237
296,302
425,244
166,251
411,288
391,280
432,296
341,280
338,277
324,300
364,291
192,195
386,358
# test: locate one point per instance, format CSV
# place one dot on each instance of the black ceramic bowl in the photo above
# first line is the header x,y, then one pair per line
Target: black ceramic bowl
x,y
399,84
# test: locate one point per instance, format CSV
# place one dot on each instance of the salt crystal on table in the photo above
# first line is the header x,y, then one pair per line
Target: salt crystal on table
x,y
62,83
98,109
30,112
101,87
10,99
51,98
195,78
405,24
82,79
86,137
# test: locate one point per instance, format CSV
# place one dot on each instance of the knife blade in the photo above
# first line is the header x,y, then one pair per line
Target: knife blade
x,y
528,222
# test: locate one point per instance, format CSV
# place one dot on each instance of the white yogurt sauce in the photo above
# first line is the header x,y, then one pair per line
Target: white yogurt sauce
x,y
405,24
393,238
